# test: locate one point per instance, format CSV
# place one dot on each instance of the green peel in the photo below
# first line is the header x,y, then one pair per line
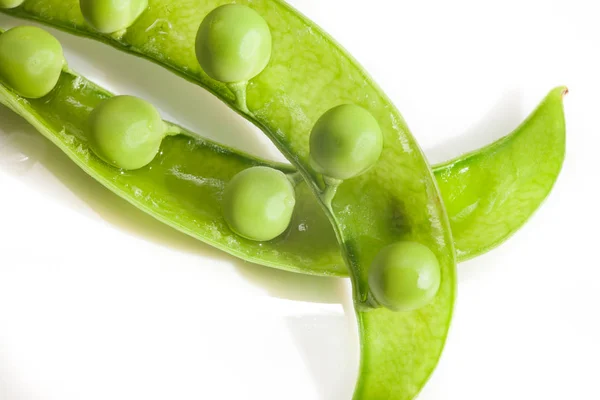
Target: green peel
x,y
492,192
396,200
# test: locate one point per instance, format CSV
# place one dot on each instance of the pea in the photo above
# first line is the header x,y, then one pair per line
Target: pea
x,y
126,132
345,142
404,276
10,3
31,61
258,203
233,43
108,16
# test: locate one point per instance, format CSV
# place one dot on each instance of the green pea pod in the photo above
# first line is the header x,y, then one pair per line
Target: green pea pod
x,y
397,199
490,193
310,246
183,185
372,197
198,169
495,222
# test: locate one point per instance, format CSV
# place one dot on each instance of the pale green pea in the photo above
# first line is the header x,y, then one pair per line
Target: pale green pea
x,y
31,61
108,16
233,43
126,132
404,276
10,3
258,203
345,142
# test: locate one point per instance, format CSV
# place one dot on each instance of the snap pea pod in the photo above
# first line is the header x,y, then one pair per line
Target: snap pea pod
x,y
396,200
496,222
183,185
197,170
491,193
425,221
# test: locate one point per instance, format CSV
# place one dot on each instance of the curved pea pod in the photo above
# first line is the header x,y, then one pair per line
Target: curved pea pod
x,y
395,200
472,236
183,185
491,193
189,162
386,204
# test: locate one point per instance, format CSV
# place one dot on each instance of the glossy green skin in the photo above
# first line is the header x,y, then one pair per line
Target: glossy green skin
x,y
199,168
390,340
126,132
345,142
108,16
31,61
491,193
307,75
404,276
10,3
258,203
233,43
194,167
183,186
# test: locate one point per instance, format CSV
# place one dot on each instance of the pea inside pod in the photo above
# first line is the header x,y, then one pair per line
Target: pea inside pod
x,y
233,43
345,142
108,16
126,132
31,61
258,203
405,276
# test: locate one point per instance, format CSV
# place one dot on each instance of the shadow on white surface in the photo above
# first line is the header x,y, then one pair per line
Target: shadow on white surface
x,y
501,119
328,347
293,286
22,149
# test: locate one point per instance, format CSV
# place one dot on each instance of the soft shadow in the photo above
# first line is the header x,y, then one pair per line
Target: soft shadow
x,y
326,344
22,148
499,121
329,346
26,148
179,100
294,286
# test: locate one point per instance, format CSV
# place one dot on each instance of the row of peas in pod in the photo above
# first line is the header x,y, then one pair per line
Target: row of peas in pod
x,y
233,45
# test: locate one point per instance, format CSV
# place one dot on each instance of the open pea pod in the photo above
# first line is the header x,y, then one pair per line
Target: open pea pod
x,y
197,170
465,185
392,202
183,185
396,200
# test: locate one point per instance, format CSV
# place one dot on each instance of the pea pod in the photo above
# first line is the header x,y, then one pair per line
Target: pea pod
x,y
491,193
397,199
472,236
197,168
183,185
372,196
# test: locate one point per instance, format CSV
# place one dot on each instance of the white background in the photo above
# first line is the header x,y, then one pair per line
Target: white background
x,y
99,301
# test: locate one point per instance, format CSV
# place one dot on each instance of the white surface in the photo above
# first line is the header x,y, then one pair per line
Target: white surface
x,y
98,301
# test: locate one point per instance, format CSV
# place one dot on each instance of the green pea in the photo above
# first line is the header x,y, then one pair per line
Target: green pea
x,y
126,132
10,3
258,203
233,43
108,16
345,142
31,61
404,276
